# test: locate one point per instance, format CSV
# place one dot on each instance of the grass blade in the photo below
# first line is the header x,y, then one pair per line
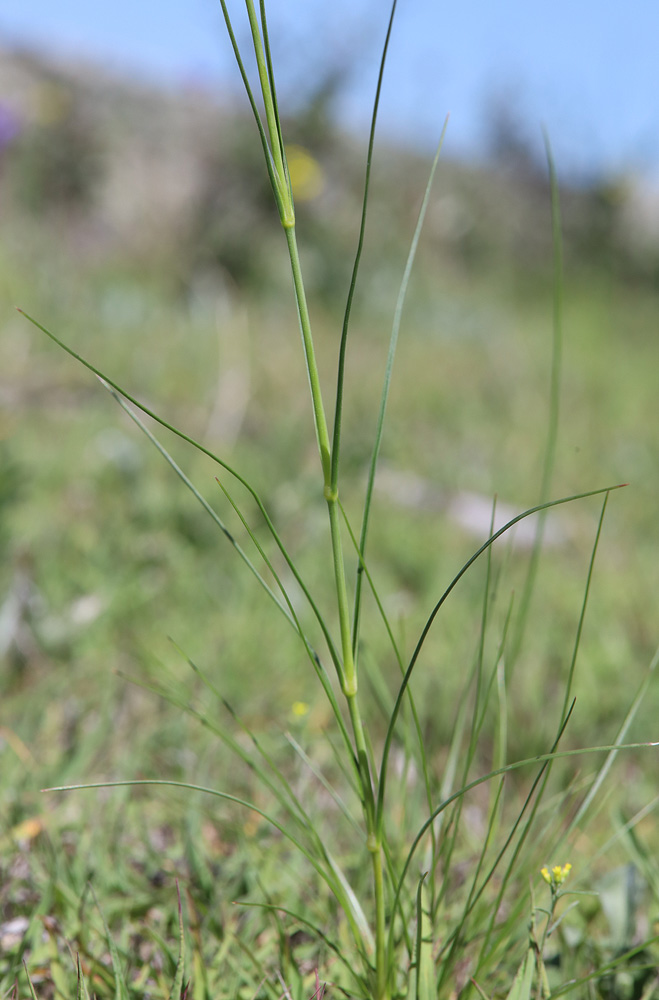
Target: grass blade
x,y
33,995
82,992
475,894
175,993
214,458
523,981
553,416
393,342
497,772
320,777
338,412
120,985
332,875
584,605
204,503
433,615
423,967
608,763
267,154
279,789
546,771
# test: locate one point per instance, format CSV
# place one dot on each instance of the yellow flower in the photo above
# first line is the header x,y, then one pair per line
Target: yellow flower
x,y
299,708
557,875
560,874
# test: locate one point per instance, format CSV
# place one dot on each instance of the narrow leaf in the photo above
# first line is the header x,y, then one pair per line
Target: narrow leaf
x,y
523,981
178,978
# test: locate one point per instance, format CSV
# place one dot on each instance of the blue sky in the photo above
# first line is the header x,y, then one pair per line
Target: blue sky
x,y
585,69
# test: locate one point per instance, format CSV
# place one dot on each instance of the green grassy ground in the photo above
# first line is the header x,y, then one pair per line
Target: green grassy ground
x,y
109,558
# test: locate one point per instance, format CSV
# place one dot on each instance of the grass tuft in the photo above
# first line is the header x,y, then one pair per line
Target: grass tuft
x,y
395,832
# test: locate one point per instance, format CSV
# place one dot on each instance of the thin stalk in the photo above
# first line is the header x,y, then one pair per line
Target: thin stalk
x,y
320,777
435,611
276,157
393,342
584,605
477,718
373,844
320,420
368,801
270,163
215,458
328,874
497,772
273,93
566,712
349,677
338,412
553,420
380,925
638,700
266,79
266,85
314,928
349,674
397,653
286,609
557,348
330,488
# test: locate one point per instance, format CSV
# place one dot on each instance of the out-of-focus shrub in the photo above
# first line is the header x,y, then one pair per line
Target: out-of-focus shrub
x,y
55,160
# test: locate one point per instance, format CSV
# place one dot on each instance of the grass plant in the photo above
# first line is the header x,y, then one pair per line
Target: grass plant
x,y
414,870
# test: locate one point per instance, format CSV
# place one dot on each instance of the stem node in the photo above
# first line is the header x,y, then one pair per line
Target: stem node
x,y
350,687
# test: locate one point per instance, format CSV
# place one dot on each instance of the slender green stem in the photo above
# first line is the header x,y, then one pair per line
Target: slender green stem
x,y
433,614
374,845
320,420
279,174
265,82
582,614
380,924
395,329
349,677
553,420
349,674
338,412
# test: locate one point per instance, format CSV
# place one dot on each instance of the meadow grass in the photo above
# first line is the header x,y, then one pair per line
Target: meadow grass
x,y
392,833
